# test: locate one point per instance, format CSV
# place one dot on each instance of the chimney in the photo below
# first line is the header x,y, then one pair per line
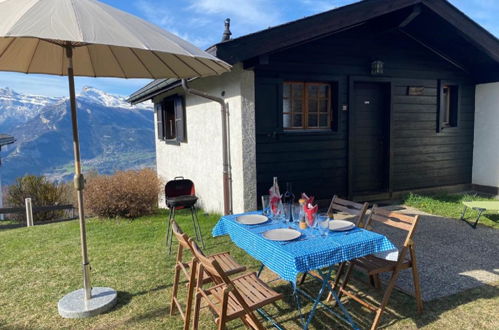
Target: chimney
x,y
227,33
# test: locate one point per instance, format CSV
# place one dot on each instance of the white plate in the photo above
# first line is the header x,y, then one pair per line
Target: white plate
x,y
340,225
281,234
252,219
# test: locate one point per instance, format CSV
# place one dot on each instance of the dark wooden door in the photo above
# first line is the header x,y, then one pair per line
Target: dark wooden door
x,y
370,138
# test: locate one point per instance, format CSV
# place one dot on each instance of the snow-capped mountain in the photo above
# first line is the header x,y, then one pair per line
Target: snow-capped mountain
x,y
113,134
16,108
95,95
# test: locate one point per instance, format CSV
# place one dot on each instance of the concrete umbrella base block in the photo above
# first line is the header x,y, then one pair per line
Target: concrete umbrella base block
x,y
74,306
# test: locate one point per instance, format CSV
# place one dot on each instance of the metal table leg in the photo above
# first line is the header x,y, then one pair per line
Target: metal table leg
x,y
480,211
324,278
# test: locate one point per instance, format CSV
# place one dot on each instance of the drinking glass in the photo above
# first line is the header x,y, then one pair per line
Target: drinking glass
x,y
266,205
312,223
277,212
323,221
297,211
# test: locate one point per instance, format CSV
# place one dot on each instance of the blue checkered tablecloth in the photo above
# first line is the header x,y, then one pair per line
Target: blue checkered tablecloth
x,y
288,260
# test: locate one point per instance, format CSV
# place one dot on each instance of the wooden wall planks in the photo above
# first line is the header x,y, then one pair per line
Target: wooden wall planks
x,y
318,162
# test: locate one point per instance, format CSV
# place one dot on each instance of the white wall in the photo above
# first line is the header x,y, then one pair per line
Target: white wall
x,y
200,159
486,142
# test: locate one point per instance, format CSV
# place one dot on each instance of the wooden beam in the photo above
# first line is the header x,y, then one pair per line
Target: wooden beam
x,y
416,11
435,51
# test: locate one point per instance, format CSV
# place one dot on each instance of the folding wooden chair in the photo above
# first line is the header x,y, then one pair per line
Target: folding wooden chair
x,y
393,262
228,264
358,211
230,299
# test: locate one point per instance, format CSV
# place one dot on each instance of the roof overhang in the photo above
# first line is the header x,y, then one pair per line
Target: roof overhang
x,y
481,48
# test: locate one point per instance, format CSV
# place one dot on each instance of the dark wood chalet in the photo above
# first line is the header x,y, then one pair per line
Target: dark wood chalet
x,y
367,100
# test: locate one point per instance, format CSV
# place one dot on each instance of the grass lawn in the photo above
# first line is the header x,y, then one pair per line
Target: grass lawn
x,y
41,264
450,206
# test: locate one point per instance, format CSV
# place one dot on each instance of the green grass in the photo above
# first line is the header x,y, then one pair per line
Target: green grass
x,y
41,264
450,206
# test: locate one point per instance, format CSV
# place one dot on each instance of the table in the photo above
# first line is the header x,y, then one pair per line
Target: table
x,y
480,206
288,260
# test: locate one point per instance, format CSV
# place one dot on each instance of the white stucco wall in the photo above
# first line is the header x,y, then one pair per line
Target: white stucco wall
x,y
200,159
486,142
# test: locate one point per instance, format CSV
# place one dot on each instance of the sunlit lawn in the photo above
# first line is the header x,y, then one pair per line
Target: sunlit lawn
x,y
450,206
41,264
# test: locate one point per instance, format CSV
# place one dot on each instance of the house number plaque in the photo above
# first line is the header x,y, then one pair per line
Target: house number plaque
x,y
415,91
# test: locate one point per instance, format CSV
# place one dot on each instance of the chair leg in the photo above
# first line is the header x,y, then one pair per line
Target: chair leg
x,y
376,281
386,297
197,228
303,277
190,292
415,278
197,307
173,305
253,322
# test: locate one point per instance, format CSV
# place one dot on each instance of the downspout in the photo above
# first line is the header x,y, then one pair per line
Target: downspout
x,y
225,145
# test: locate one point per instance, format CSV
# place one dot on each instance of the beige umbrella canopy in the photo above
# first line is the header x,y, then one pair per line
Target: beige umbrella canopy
x,y
108,42
89,38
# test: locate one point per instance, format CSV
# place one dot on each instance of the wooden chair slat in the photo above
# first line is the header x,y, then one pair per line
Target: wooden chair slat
x,y
347,203
240,297
349,207
389,222
399,216
345,209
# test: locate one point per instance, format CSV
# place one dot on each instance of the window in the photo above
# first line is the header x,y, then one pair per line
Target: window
x,y
449,105
170,119
306,105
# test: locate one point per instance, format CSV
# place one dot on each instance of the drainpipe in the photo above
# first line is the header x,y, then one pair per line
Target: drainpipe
x,y
225,145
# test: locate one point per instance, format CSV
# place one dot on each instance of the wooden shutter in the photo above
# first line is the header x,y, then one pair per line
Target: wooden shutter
x,y
440,105
180,118
159,120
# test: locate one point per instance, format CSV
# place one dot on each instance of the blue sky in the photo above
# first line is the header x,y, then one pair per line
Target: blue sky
x,y
201,22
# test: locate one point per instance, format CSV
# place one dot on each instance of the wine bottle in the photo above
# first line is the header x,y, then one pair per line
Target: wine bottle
x,y
288,197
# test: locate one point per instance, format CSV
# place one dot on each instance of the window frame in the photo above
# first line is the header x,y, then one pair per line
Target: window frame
x,y
178,107
454,113
305,106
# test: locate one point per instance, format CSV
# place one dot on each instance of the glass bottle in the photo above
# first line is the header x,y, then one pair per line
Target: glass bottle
x,y
288,196
288,199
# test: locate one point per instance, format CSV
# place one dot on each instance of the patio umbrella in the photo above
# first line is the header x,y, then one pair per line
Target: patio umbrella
x,y
89,38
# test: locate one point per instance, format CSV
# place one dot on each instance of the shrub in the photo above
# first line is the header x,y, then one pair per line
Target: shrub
x,y
127,194
42,193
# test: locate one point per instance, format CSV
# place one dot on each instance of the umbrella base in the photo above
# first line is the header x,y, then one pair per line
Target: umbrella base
x,y
74,306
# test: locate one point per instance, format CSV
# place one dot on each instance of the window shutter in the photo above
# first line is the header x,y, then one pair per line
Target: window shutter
x,y
180,118
440,104
159,120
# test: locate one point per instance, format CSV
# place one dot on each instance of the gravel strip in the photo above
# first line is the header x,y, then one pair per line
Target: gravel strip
x,y
451,256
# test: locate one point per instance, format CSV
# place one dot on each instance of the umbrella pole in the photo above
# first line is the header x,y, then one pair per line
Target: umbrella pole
x,y
80,303
79,181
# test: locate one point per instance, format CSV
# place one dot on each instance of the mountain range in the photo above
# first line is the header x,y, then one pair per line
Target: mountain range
x,y
113,134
